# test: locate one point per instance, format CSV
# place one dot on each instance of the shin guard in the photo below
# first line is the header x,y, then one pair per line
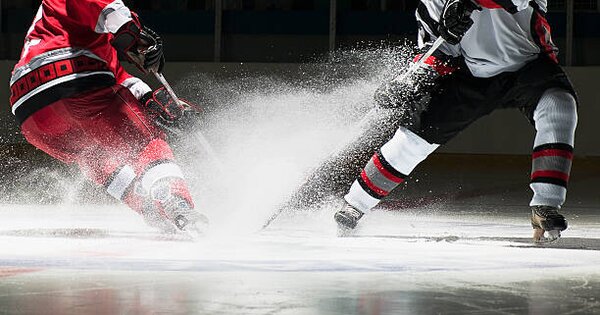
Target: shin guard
x,y
388,168
555,121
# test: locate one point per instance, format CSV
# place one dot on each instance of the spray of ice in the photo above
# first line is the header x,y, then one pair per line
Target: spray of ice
x,y
269,132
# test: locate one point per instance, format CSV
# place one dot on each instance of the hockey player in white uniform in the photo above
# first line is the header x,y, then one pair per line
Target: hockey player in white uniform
x,y
496,54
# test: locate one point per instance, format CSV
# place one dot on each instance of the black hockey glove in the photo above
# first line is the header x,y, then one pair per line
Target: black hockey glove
x,y
167,113
154,58
411,92
455,19
140,46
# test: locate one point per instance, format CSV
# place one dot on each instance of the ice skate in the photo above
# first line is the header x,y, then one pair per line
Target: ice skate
x,y
171,213
174,216
184,217
347,219
547,219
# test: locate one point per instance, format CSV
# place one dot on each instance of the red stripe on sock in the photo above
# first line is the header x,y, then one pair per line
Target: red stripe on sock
x,y
385,172
553,152
372,186
552,174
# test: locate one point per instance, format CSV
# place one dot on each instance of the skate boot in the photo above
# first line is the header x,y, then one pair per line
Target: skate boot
x,y
347,218
547,219
181,214
171,211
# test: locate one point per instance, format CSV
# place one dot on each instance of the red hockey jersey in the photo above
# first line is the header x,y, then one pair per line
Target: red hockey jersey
x,y
67,51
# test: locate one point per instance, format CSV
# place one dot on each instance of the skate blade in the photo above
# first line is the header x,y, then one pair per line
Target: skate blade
x,y
346,231
539,238
343,231
195,231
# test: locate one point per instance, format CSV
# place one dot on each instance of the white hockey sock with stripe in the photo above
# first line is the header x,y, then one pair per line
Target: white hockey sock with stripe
x,y
555,121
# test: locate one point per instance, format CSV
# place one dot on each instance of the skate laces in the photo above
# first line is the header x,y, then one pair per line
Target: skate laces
x,y
353,211
176,208
547,212
176,205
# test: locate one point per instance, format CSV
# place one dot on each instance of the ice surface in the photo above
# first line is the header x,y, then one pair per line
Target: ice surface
x,y
111,237
428,250
81,259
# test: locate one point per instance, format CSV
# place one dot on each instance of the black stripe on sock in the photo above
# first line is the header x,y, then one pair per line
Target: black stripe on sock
x,y
550,180
554,146
388,167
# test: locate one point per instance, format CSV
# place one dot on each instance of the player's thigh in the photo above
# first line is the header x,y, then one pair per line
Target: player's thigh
x,y
122,128
123,134
450,111
51,130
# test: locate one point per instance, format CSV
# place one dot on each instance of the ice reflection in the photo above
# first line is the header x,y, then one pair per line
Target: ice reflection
x,y
292,293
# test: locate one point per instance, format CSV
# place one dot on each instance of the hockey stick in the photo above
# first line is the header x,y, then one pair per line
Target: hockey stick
x,y
197,133
438,42
382,122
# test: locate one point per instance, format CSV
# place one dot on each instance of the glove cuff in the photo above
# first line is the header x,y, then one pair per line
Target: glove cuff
x,y
126,39
149,96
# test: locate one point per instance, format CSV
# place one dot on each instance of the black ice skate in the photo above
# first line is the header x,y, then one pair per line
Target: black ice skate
x,y
547,219
347,217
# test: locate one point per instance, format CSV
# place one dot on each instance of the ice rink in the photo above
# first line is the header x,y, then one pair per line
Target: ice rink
x,y
455,240
460,248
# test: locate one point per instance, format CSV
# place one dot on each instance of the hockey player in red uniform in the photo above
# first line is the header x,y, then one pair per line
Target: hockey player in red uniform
x,y
74,101
497,54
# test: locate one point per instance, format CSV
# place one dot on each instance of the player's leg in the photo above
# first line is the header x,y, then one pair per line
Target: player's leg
x,y
459,104
55,130
108,135
50,130
158,190
555,119
385,171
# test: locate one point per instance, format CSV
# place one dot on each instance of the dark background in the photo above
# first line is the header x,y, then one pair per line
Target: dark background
x,y
290,30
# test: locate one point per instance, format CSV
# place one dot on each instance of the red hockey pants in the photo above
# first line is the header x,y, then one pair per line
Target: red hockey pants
x,y
109,135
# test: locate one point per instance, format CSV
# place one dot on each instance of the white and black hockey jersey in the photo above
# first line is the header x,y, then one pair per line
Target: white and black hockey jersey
x,y
506,34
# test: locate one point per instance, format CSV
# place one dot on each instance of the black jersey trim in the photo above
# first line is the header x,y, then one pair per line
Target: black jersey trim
x,y
61,91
